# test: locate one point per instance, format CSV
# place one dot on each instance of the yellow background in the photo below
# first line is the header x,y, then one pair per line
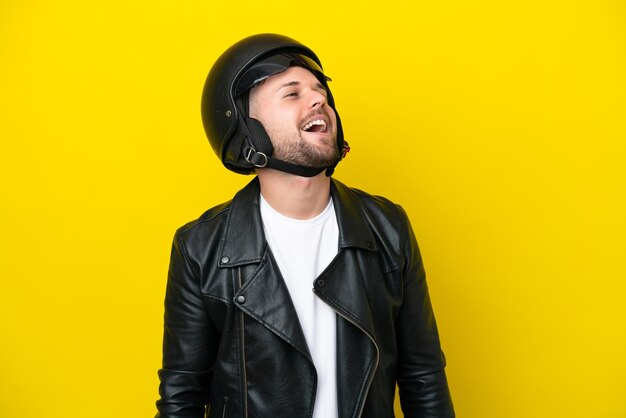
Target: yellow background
x,y
499,126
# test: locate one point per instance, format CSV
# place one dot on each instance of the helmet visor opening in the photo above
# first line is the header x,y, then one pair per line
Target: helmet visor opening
x,y
273,65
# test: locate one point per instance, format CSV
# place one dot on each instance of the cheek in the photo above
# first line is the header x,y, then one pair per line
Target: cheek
x,y
333,117
279,124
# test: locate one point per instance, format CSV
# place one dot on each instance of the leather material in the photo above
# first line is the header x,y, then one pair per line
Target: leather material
x,y
233,346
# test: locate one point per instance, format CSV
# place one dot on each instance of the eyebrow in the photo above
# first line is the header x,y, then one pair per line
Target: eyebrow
x,y
296,83
289,84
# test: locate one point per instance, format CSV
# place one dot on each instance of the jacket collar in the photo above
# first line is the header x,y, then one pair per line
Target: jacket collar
x,y
243,240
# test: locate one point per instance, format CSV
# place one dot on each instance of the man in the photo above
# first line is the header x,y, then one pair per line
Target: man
x,y
300,297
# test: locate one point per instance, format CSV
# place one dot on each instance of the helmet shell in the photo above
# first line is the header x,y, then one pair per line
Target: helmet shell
x,y
222,119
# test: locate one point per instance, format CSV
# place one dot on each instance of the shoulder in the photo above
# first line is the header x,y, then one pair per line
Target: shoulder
x,y
201,236
214,219
208,220
376,209
386,222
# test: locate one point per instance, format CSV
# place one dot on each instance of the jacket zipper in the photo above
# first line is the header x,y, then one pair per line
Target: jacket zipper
x,y
225,405
243,353
371,378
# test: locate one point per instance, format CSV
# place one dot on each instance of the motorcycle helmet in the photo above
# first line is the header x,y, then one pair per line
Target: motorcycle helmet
x,y
239,141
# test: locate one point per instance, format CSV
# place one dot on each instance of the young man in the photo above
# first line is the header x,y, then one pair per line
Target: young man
x,y
300,297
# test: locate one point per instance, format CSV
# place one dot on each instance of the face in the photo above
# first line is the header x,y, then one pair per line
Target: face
x,y
292,106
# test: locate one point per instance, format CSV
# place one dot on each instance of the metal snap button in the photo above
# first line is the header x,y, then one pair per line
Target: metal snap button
x,y
225,260
241,299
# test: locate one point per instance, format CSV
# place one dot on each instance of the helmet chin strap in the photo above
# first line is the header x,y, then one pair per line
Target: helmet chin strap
x,y
258,152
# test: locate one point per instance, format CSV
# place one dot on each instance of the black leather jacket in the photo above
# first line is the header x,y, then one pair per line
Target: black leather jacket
x,y
233,346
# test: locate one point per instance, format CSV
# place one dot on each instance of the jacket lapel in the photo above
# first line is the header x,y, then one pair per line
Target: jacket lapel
x,y
243,240
346,287
267,300
345,279
263,294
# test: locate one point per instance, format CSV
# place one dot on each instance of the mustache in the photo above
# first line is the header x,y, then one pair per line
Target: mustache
x,y
313,113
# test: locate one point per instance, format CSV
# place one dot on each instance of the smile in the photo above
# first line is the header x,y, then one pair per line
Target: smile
x,y
317,125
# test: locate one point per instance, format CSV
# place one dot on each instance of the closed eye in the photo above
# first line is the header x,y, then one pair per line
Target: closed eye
x,y
320,88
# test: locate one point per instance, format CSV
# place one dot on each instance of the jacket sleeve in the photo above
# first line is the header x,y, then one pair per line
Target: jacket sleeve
x,y
421,377
189,342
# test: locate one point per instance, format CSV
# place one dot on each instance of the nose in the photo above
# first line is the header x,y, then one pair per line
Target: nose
x,y
317,99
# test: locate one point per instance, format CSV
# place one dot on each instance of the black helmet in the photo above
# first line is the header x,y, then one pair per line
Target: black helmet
x,y
238,140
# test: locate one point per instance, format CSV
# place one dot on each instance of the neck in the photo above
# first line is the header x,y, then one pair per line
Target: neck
x,y
294,196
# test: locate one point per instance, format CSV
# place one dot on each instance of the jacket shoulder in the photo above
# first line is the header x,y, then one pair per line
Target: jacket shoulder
x,y
387,222
376,202
378,209
209,220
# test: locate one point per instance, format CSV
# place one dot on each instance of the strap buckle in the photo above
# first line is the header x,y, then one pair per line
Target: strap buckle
x,y
257,159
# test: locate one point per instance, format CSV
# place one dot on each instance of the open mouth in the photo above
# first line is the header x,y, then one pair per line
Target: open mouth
x,y
316,125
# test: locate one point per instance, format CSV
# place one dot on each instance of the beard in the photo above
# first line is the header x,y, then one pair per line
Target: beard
x,y
303,153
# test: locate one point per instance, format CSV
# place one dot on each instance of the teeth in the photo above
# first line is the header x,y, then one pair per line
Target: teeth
x,y
313,123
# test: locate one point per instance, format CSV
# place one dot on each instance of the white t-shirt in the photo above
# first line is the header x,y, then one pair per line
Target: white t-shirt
x,y
303,249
